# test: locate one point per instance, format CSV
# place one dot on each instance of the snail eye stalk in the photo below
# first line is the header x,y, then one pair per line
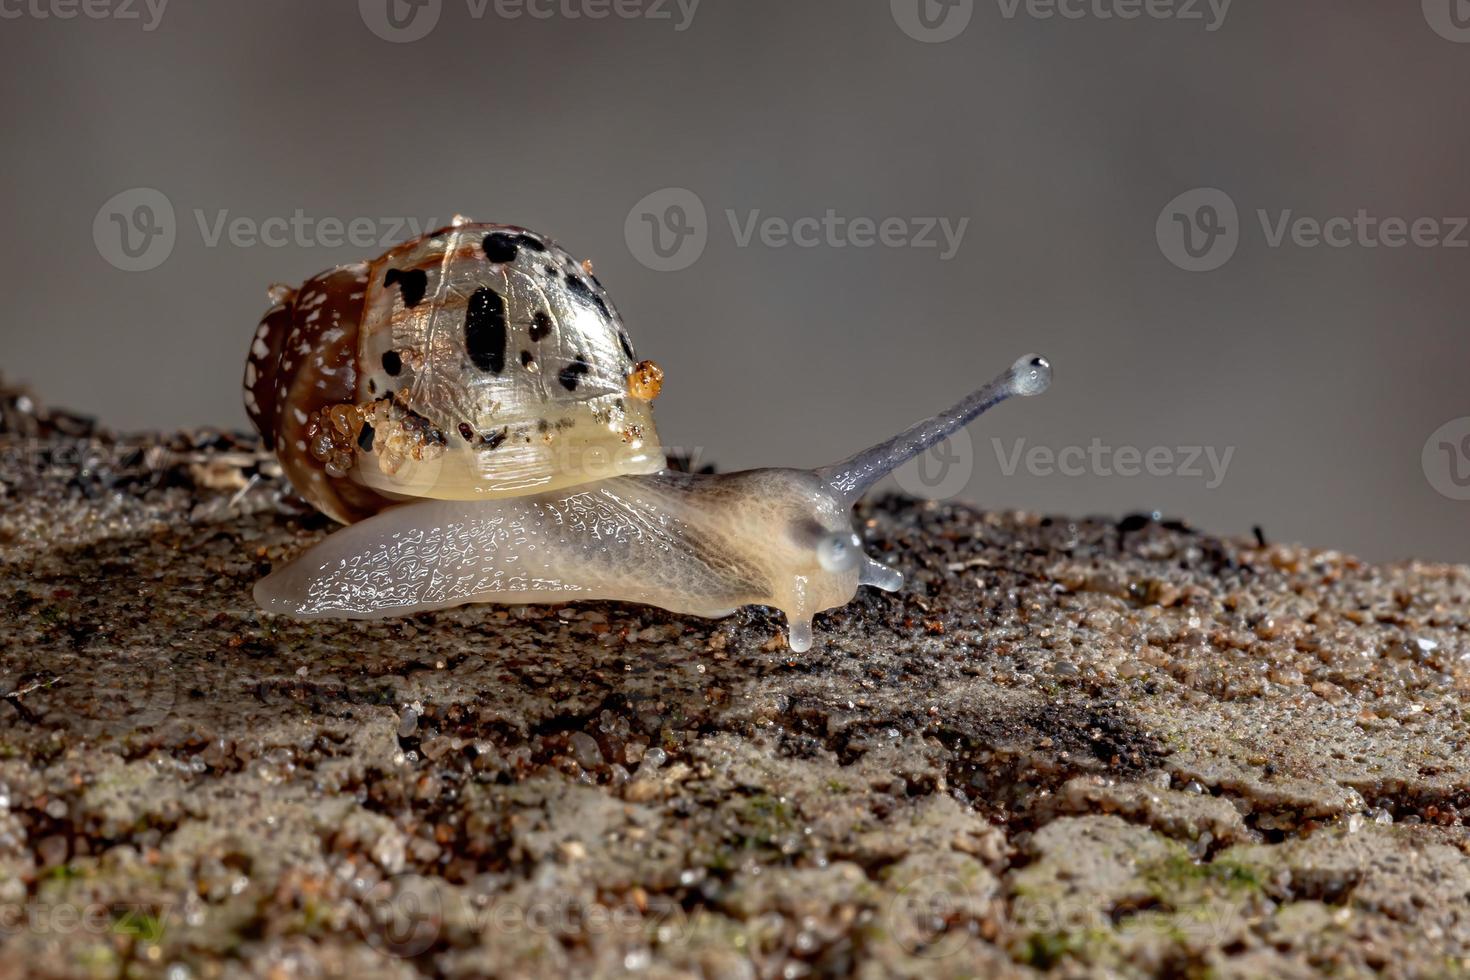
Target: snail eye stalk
x,y
854,476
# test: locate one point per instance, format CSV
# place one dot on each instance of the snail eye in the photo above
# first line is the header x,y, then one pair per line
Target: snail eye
x,y
839,552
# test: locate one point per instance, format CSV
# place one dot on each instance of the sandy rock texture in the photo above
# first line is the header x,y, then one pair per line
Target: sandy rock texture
x,y
1075,747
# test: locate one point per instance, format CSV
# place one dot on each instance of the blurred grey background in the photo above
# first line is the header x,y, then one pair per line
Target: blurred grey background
x,y
1062,134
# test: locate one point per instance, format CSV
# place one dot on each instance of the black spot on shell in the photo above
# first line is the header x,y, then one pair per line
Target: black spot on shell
x,y
601,307
578,287
372,386
529,242
571,375
526,359
494,439
466,432
550,270
485,331
392,362
365,437
626,343
500,247
412,284
540,324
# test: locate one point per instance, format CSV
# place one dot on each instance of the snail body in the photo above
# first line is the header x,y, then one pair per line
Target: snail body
x,y
618,527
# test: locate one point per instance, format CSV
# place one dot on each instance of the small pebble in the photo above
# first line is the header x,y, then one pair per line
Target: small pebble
x,y
585,750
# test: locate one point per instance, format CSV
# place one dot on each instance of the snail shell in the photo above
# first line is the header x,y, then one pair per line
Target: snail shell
x,y
474,362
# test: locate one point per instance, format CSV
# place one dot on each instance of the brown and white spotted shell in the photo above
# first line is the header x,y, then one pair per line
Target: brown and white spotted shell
x,y
476,362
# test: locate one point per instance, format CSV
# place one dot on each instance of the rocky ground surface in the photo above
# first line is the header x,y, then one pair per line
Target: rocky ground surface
x,y
1066,746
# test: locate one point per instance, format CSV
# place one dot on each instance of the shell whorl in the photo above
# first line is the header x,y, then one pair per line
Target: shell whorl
x,y
477,361
303,362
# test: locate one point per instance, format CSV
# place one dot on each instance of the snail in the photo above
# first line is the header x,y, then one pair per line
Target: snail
x,y
470,405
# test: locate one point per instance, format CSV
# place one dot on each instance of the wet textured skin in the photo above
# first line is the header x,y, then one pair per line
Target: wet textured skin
x,y
698,544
